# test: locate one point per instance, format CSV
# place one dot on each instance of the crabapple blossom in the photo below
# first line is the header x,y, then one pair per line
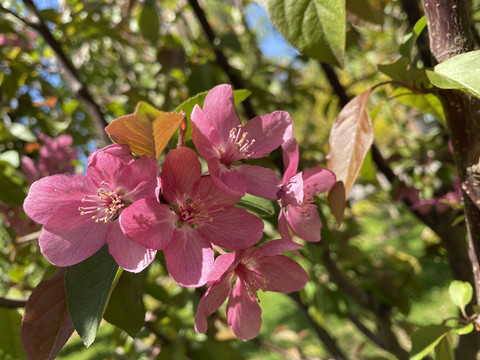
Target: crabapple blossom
x,y
198,211
80,212
223,141
299,213
250,270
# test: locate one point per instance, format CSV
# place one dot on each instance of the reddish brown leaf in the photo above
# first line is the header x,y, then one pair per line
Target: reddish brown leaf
x,y
147,131
336,201
46,324
350,139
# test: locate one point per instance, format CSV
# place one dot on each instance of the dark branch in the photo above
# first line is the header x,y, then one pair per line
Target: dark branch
x,y
322,334
71,75
220,56
12,303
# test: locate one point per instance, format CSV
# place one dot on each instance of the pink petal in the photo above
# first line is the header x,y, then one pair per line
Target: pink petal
x,y
221,266
318,180
69,238
204,135
29,168
105,168
268,132
290,154
228,176
293,191
282,274
189,257
305,222
233,229
148,223
243,313
48,194
260,181
121,151
180,171
275,247
128,254
139,178
283,226
219,107
213,298
216,196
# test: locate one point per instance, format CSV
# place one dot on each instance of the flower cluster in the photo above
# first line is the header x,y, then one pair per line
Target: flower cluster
x,y
189,213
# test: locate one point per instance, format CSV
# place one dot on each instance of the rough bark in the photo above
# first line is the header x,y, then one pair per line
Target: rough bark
x,y
449,35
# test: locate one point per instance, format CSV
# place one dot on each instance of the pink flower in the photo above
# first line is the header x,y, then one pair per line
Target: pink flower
x,y
197,212
299,213
223,141
252,269
80,212
56,157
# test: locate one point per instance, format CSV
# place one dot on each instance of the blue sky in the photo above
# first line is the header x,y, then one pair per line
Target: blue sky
x,y
271,42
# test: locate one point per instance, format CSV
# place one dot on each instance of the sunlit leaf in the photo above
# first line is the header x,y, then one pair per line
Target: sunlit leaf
x,y
125,308
461,293
427,103
425,339
10,344
88,286
147,131
315,27
46,324
350,139
460,72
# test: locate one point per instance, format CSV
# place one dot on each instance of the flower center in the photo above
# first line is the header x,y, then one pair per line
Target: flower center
x,y
103,206
193,212
238,146
252,280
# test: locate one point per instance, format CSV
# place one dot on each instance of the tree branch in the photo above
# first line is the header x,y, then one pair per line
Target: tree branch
x,y
220,56
322,334
71,75
12,303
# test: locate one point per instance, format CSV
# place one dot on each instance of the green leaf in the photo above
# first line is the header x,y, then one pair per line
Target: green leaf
x,y
9,179
368,10
460,72
12,157
427,103
257,205
460,293
315,27
22,132
425,339
444,349
410,38
149,21
88,286
125,308
464,330
10,344
188,105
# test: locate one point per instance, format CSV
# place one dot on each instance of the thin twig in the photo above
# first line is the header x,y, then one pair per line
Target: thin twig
x,y
220,56
12,303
